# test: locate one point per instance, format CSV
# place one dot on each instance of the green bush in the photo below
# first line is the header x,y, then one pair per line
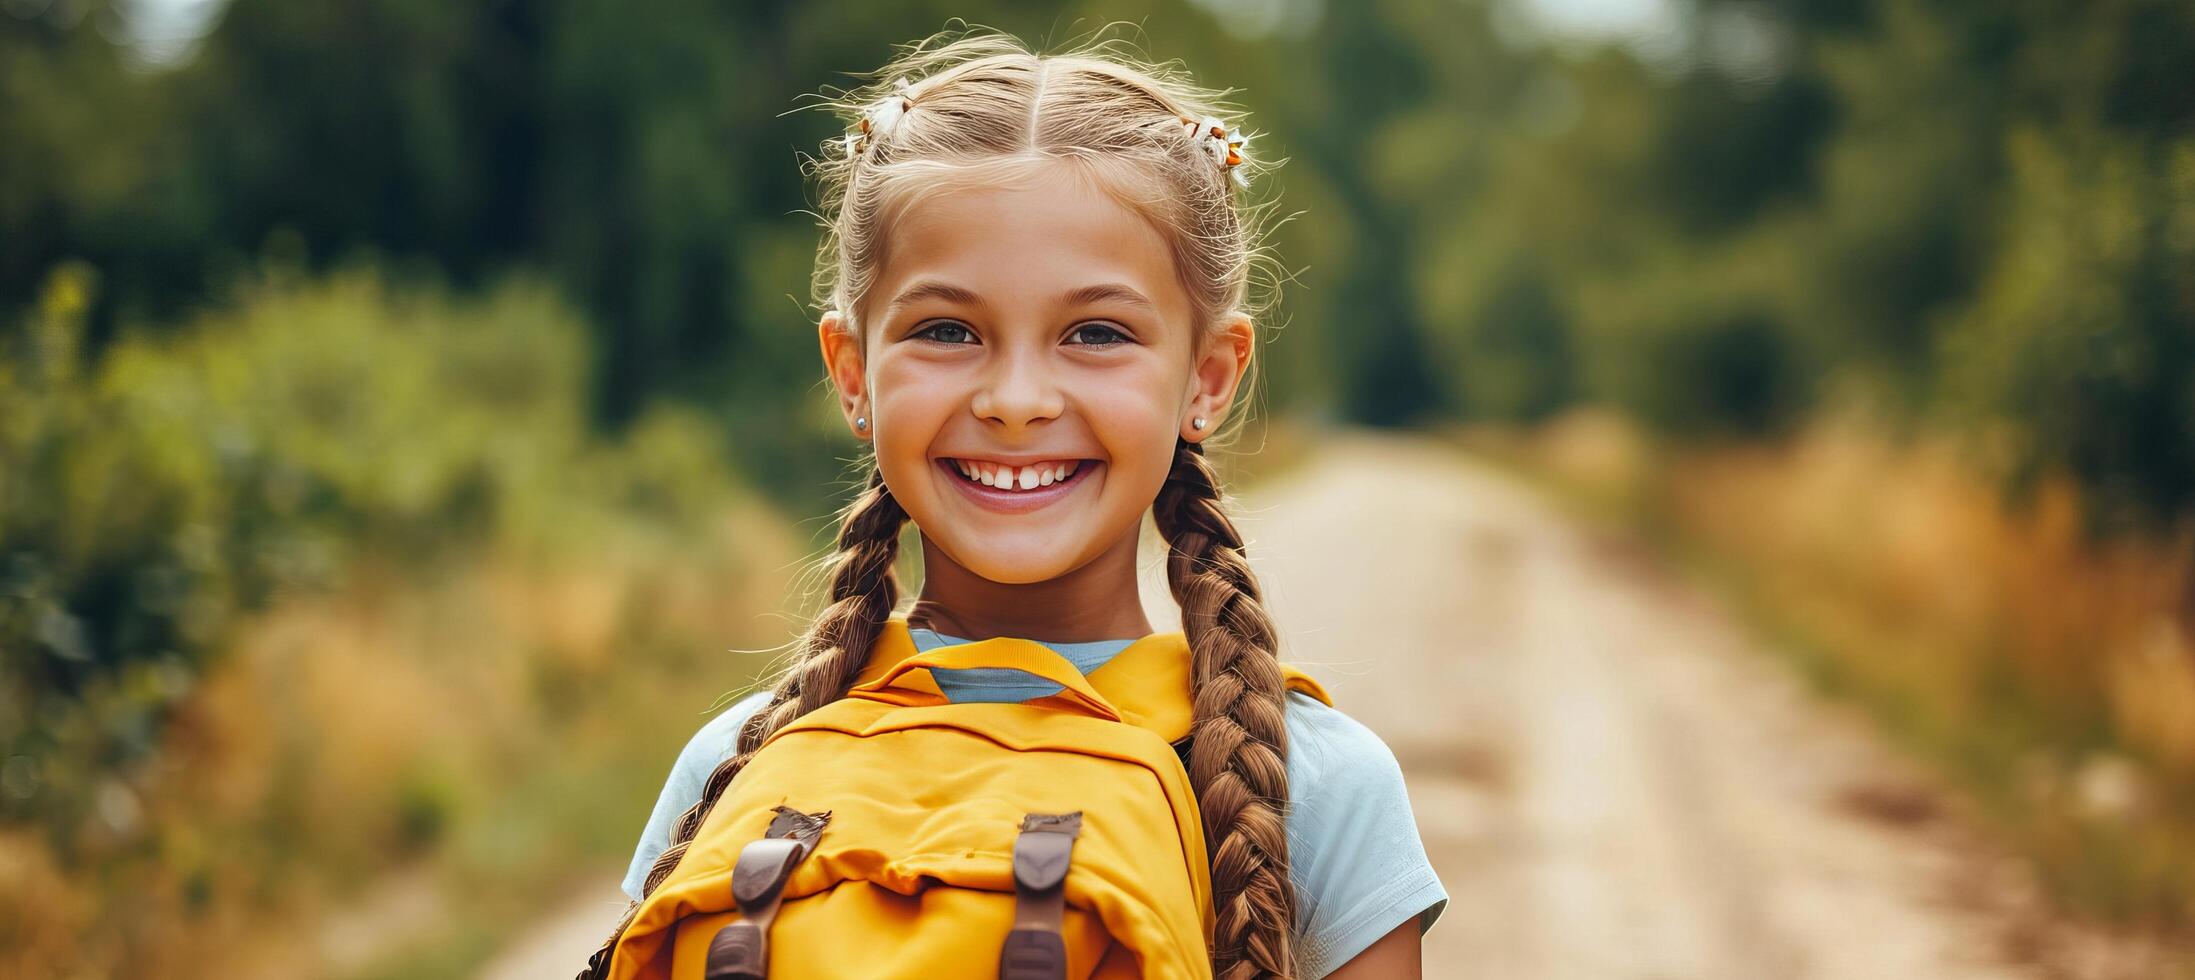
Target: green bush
x,y
191,475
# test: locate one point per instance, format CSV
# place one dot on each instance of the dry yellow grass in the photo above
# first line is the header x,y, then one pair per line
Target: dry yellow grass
x,y
445,726
1936,582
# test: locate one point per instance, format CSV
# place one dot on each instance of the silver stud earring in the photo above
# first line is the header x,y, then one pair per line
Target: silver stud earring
x,y
861,422
1197,423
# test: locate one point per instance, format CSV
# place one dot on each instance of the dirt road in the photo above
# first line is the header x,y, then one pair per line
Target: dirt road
x,y
1611,783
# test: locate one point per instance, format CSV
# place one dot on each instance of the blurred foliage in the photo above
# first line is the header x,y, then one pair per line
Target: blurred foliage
x,y
1979,212
187,477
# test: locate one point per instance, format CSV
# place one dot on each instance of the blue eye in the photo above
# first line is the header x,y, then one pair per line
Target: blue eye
x,y
1098,335
946,332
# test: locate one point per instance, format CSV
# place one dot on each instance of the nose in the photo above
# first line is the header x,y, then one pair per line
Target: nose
x,y
1018,391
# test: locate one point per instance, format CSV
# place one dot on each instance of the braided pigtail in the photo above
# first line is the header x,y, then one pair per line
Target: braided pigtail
x,y
1238,750
864,591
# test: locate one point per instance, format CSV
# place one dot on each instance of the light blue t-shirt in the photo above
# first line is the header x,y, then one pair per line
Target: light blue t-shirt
x,y
1353,848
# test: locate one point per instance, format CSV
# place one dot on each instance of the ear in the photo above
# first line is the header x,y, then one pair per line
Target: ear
x,y
1222,360
843,360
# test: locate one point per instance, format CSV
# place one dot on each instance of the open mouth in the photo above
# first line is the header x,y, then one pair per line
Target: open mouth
x,y
1001,476
1017,487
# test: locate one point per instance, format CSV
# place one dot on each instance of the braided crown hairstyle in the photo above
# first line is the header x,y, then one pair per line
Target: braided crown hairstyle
x,y
982,108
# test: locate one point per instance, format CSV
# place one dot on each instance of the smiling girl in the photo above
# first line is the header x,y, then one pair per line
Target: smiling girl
x,y
1037,288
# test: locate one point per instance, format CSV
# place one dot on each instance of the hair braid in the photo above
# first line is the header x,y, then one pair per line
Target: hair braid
x,y
864,591
1238,748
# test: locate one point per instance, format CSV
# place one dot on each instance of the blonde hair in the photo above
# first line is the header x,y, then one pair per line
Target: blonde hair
x,y
984,109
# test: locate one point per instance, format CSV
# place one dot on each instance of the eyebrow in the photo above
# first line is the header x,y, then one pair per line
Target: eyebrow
x,y
1103,292
933,289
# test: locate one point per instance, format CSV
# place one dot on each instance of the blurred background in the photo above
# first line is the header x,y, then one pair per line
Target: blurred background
x,y
1772,421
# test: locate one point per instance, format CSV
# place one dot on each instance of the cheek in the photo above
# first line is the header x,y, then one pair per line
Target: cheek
x,y
907,409
1134,419
1150,394
902,392
1137,421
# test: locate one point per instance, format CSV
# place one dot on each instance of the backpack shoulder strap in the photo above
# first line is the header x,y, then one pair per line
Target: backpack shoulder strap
x,y
1148,681
1303,683
893,645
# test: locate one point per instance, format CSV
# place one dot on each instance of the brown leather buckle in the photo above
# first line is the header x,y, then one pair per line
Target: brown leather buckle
x,y
1035,949
741,950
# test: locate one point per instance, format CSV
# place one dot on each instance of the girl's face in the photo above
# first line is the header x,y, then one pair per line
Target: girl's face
x,y
1029,359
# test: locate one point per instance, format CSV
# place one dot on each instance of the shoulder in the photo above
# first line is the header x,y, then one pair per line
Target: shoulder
x,y
1358,863
1325,743
712,744
719,736
1337,768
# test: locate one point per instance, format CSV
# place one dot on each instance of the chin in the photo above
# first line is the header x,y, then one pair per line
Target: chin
x,y
1008,570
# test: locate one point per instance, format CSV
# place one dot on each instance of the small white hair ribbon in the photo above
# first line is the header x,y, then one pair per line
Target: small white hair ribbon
x,y
880,118
1222,143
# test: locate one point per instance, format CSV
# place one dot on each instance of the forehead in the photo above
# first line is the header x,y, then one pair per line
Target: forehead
x,y
1027,242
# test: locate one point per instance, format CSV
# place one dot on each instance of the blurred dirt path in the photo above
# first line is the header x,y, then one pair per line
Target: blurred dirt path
x,y
1610,784
557,946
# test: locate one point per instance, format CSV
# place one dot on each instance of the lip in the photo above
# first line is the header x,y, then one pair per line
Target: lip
x,y
1016,501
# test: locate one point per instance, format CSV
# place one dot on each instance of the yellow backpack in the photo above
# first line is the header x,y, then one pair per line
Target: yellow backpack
x,y
893,833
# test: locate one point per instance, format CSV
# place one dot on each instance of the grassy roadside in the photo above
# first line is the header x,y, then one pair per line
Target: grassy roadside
x,y
333,636
2046,670
460,744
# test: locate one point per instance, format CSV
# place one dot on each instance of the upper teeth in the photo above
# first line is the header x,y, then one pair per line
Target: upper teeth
x,y
1016,478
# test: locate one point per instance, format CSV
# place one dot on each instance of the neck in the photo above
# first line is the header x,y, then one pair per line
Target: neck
x,y
1097,601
